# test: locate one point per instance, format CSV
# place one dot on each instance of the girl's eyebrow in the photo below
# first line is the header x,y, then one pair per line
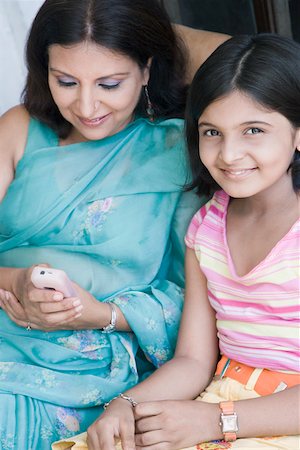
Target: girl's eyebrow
x,y
53,69
249,122
206,124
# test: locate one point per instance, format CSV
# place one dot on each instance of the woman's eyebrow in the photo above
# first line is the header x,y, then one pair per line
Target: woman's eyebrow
x,y
53,69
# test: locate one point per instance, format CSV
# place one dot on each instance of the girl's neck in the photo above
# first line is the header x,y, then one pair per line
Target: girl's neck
x,y
278,200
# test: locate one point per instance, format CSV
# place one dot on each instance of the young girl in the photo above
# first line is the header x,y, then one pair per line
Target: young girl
x,y
242,268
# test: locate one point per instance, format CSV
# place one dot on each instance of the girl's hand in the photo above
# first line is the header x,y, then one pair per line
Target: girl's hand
x,y
117,422
169,425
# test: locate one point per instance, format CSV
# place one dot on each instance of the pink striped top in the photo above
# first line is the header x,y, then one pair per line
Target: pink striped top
x,y
257,314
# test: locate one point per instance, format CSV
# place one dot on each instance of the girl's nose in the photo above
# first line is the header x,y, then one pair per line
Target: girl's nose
x,y
231,151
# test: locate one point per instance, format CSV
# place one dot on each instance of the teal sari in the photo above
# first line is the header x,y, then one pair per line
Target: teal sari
x,y
112,214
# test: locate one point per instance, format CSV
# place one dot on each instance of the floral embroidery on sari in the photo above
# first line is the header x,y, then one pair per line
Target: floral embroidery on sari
x,y
96,216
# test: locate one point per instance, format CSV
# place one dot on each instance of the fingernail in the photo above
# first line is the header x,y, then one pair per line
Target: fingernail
x,y
79,308
77,303
57,296
7,295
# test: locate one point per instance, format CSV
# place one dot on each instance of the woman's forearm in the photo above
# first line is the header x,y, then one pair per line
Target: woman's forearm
x,y
8,276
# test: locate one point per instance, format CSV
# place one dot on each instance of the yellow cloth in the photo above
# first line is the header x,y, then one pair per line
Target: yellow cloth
x,y
77,442
217,391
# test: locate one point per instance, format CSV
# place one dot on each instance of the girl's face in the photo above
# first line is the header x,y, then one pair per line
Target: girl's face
x,y
94,88
246,148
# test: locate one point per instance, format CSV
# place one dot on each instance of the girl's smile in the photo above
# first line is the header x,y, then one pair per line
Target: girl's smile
x,y
238,173
246,148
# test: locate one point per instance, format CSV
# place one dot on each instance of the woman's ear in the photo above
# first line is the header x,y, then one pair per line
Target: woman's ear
x,y
298,140
146,71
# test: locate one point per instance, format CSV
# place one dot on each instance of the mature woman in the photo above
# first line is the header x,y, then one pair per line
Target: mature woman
x,y
92,169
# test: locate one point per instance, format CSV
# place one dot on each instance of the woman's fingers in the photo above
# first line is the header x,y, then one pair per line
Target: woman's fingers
x,y
55,313
66,304
12,307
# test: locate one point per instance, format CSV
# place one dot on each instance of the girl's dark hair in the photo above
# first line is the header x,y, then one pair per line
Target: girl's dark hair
x,y
267,68
139,29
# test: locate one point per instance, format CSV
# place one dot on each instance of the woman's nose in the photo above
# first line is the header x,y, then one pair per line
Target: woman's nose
x,y
88,104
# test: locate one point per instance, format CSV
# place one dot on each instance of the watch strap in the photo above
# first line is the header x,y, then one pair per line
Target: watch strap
x,y
227,409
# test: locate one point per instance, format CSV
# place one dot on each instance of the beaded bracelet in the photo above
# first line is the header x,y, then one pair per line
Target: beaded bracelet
x,y
125,397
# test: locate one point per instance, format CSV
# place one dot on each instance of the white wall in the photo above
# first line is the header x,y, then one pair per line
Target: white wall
x,y
15,19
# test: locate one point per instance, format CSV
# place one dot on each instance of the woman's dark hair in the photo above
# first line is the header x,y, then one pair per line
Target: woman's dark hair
x,y
265,67
139,29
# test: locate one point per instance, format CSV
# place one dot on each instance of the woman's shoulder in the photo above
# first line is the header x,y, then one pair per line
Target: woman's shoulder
x,y
200,44
161,136
13,133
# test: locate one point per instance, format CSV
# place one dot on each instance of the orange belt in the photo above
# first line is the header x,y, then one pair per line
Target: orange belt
x,y
265,382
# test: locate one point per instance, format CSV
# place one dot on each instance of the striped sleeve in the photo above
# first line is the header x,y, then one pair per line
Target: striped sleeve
x,y
194,225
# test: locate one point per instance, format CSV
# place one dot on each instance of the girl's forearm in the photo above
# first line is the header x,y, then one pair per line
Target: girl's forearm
x,y
272,415
169,382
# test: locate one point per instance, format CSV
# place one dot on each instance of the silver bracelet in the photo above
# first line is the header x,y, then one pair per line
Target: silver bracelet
x,y
124,397
112,324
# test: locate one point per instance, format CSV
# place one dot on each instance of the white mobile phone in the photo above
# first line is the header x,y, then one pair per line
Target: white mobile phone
x,y
48,278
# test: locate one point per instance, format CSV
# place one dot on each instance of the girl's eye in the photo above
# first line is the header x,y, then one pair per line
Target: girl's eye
x,y
211,133
109,85
66,83
254,130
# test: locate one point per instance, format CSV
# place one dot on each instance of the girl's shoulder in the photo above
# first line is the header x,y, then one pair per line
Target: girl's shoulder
x,y
213,210
216,206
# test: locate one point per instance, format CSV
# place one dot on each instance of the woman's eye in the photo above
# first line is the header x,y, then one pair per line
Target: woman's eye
x,y
254,130
66,83
211,133
109,85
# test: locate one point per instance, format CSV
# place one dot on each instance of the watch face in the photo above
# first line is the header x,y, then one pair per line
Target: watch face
x,y
229,422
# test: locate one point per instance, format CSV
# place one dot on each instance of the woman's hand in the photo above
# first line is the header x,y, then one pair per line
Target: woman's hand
x,y
61,315
117,422
170,424
13,308
49,310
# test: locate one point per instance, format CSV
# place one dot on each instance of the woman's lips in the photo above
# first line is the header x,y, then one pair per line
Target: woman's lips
x,y
92,123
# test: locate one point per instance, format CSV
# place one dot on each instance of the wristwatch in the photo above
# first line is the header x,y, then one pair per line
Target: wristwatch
x,y
228,421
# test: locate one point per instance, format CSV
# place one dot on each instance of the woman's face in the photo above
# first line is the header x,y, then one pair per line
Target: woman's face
x,y
94,88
